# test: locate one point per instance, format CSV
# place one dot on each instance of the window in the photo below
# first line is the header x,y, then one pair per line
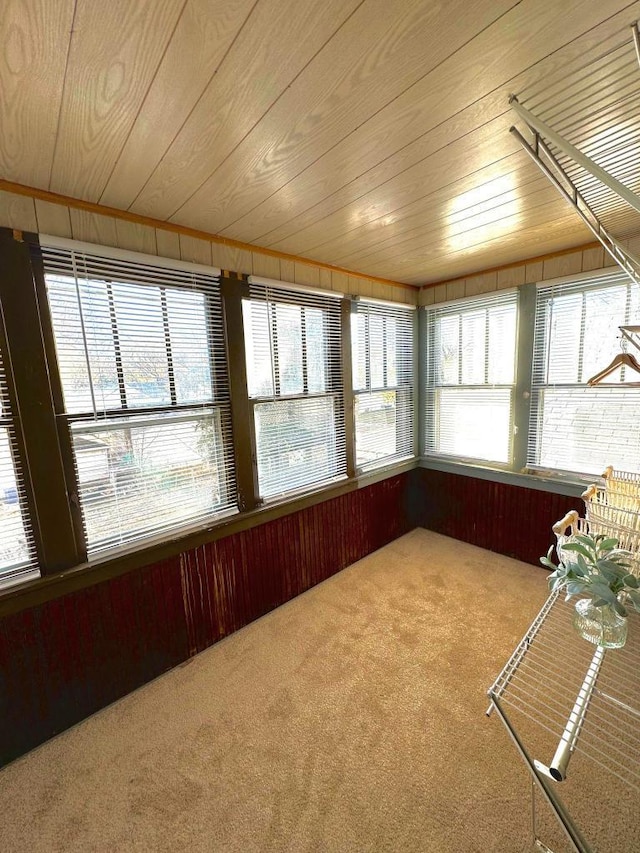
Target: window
x,y
382,342
469,369
294,364
141,358
573,427
17,558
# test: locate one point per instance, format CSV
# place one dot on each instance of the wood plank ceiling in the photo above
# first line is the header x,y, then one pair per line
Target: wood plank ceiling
x,y
371,134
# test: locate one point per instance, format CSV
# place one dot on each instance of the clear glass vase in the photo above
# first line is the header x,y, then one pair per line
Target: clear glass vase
x,y
600,625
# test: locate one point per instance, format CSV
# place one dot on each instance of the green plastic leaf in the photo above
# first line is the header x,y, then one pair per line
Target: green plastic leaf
x,y
603,591
583,563
633,595
620,609
578,549
608,545
587,540
631,581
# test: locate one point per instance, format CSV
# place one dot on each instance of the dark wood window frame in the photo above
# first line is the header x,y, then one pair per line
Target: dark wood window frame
x,y
45,441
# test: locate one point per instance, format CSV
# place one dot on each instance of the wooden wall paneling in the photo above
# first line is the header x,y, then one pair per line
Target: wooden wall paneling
x,y
168,244
593,259
533,272
306,274
456,289
93,228
17,212
395,294
439,293
232,258
287,270
267,265
201,39
67,658
511,277
136,237
325,278
508,519
378,290
339,281
484,283
439,109
380,51
276,37
53,219
562,265
196,250
34,36
427,296
114,54
359,286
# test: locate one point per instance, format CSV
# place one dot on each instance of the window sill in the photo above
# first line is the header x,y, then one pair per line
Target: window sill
x,y
106,566
571,486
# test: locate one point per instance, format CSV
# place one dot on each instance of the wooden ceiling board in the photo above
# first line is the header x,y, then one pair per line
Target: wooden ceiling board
x,y
542,239
115,50
377,55
33,55
398,135
337,192
453,202
503,214
505,219
373,134
345,200
204,33
464,156
273,48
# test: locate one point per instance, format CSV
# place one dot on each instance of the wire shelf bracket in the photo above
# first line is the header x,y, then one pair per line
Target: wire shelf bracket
x,y
544,158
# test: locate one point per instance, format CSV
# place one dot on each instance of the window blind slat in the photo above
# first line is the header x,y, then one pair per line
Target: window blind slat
x,y
576,428
469,375
293,353
382,340
17,550
132,336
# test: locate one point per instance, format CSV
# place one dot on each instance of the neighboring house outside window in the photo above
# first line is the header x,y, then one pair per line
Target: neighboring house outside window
x,y
382,337
576,428
141,357
294,375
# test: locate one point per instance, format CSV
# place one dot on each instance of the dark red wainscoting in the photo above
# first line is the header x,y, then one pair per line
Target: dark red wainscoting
x,y
508,519
66,659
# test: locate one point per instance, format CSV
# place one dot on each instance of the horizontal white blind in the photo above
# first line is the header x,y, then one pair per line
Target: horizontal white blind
x,y
469,353
293,353
574,427
382,338
17,552
142,359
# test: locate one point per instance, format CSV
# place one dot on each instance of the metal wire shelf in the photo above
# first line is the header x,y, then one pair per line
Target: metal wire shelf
x,y
544,685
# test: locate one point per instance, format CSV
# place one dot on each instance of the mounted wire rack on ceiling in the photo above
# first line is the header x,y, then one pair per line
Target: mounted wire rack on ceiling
x,y
591,154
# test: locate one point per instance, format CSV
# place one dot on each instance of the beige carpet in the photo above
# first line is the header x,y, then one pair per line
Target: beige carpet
x,y
350,719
